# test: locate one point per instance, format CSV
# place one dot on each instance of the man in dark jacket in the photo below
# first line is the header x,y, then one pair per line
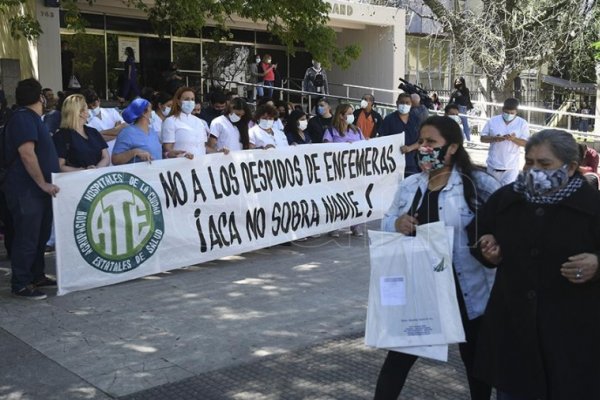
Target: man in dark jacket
x,y
366,118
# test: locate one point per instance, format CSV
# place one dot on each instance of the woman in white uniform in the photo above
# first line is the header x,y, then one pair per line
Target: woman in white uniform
x,y
229,132
182,132
264,135
161,108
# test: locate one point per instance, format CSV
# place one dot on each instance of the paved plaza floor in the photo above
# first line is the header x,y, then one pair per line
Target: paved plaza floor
x,y
278,323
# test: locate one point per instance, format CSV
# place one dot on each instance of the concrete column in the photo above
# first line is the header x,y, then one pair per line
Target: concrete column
x,y
48,47
380,64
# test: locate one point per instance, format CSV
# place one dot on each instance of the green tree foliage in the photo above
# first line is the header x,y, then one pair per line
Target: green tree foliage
x,y
297,23
22,24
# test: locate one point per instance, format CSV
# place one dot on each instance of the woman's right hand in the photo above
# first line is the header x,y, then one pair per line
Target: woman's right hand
x,y
490,249
143,155
406,224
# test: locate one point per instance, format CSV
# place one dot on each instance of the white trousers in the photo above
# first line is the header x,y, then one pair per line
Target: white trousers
x,y
505,177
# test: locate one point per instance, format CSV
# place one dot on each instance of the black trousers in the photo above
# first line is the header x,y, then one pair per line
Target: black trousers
x,y
32,218
396,367
9,230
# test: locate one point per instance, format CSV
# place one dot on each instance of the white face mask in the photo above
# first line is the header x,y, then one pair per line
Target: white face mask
x,y
317,65
456,118
364,104
257,60
350,118
233,117
95,111
167,111
266,123
403,108
303,124
187,106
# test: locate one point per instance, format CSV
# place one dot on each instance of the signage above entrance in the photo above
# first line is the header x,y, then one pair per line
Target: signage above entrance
x,y
340,9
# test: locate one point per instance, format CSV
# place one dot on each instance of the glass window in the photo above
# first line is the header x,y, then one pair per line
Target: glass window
x,y
187,55
129,25
94,21
225,62
88,63
412,51
240,35
267,38
114,66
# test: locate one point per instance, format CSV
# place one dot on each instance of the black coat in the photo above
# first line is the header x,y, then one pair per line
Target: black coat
x,y
541,333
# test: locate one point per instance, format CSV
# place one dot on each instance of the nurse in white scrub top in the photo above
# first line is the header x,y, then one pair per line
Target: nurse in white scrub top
x,y
184,134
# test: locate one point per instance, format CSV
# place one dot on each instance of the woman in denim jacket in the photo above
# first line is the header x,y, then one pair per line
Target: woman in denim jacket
x,y
450,189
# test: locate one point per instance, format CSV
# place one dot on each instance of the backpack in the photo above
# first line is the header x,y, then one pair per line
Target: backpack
x,y
319,81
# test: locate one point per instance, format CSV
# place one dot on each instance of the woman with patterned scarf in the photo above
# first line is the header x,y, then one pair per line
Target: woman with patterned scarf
x,y
541,329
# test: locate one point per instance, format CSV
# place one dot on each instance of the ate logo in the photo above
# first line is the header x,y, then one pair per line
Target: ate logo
x,y
118,223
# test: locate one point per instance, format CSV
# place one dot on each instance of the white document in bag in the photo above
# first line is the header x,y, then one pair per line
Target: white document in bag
x,y
412,295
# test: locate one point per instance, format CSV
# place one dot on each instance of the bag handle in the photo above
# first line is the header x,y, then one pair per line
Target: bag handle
x,y
415,203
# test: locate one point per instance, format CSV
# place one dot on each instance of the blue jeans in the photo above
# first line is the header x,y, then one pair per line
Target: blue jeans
x,y
32,220
258,91
269,88
465,122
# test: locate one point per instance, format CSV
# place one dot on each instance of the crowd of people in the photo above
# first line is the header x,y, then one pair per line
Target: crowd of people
x,y
526,243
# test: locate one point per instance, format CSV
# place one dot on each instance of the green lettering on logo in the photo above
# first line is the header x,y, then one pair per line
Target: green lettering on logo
x,y
119,221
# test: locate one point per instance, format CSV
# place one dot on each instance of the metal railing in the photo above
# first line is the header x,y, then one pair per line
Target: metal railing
x,y
307,99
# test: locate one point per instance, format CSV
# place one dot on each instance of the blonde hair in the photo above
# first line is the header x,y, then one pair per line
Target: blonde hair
x,y
72,107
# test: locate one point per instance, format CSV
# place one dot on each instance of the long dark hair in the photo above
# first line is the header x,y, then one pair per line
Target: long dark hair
x,y
291,128
242,125
452,134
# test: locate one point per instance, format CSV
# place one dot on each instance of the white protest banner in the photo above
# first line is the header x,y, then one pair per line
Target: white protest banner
x,y
124,222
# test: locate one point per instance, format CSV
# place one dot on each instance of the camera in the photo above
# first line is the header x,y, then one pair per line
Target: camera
x,y
411,88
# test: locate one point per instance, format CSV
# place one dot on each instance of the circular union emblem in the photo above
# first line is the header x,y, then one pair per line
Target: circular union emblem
x,y
118,223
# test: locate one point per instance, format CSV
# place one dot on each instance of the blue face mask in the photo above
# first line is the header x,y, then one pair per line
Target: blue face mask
x,y
508,117
187,106
321,110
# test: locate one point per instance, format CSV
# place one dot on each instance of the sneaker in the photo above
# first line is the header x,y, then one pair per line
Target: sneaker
x,y
334,234
30,292
356,232
45,282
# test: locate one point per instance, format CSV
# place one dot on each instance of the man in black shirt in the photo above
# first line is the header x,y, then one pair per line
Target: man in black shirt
x,y
218,102
318,124
31,157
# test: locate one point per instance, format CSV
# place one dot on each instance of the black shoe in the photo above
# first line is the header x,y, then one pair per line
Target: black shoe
x,y
49,249
30,292
45,282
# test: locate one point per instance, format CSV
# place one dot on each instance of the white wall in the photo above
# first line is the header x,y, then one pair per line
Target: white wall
x,y
380,64
48,47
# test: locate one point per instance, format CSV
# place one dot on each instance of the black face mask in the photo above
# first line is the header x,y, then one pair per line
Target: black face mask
x,y
457,85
